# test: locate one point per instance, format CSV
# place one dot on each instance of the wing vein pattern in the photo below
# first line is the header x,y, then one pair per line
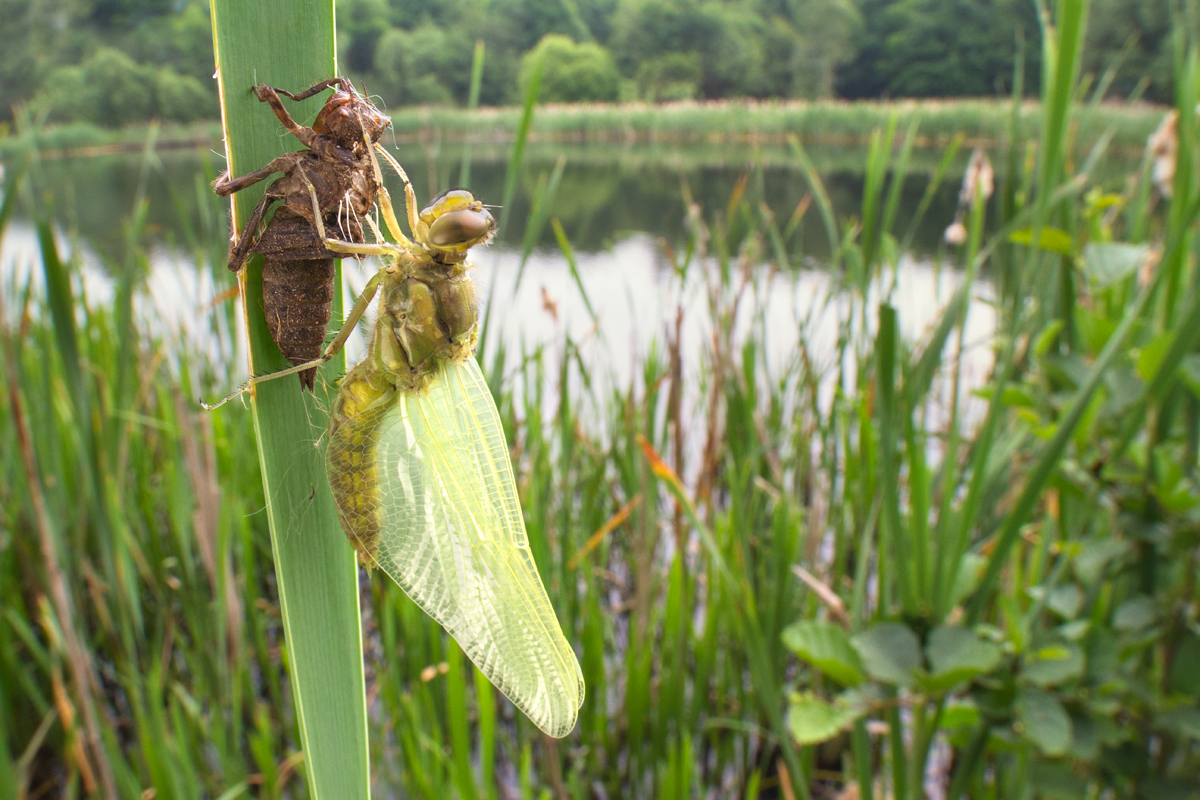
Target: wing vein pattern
x,y
452,535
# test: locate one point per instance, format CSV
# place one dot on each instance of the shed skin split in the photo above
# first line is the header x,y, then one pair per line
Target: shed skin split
x,y
334,182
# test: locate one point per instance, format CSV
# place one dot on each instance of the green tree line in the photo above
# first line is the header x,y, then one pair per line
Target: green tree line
x,y
115,62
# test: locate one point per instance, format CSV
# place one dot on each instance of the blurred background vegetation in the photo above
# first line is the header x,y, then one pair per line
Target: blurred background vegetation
x,y
113,62
896,495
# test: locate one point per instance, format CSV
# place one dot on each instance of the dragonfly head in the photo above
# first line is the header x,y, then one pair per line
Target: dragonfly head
x,y
347,116
455,222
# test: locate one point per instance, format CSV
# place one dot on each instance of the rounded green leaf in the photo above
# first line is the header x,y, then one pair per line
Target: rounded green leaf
x,y
890,653
812,720
1043,721
957,655
1054,664
1106,263
827,647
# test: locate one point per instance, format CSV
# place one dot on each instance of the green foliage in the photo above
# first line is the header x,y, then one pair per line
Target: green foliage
x,y
413,66
1051,663
571,73
361,24
1134,36
826,647
728,40
531,21
940,48
671,76
1008,572
419,53
110,88
110,64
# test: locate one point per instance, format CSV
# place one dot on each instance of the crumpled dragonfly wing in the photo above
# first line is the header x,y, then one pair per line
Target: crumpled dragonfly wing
x,y
451,534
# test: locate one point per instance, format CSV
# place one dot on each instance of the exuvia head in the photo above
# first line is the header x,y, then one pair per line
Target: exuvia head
x,y
454,222
347,115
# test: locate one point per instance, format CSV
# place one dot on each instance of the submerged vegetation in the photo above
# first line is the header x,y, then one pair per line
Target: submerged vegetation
x,y
858,574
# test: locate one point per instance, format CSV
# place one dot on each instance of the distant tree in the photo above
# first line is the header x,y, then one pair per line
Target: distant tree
x,y
1137,34
180,42
182,98
410,66
730,39
940,48
108,88
360,26
571,73
19,56
599,16
732,57
531,20
647,29
153,58
783,59
671,76
115,14
827,40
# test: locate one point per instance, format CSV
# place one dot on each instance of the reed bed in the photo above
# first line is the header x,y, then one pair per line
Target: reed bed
x,y
983,121
853,576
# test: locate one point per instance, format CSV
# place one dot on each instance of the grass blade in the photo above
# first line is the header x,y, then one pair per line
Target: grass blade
x,y
464,173
315,566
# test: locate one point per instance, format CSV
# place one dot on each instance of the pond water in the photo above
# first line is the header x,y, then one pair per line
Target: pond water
x,y
622,208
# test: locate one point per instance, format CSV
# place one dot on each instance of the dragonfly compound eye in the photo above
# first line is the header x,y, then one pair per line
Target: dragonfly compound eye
x,y
459,230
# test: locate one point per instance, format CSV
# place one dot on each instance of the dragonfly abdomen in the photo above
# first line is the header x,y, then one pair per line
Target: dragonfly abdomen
x,y
358,409
297,302
424,322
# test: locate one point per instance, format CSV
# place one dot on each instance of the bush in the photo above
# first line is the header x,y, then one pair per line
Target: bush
x,y
413,66
572,73
183,98
671,76
111,89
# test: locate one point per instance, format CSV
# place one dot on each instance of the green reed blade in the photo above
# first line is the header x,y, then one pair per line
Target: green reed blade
x,y
456,711
818,189
539,212
518,149
291,46
896,534
464,172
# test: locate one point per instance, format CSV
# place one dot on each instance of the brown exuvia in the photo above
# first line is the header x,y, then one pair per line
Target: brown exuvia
x,y
335,174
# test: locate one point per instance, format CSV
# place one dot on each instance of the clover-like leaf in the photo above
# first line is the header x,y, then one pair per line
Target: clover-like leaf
x,y
1106,263
890,653
956,655
827,647
1043,721
1053,664
812,720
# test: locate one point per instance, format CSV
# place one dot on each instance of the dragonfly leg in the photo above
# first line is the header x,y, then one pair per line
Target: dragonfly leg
x,y
271,97
241,249
339,341
410,197
342,83
316,204
356,313
340,245
225,185
363,248
384,199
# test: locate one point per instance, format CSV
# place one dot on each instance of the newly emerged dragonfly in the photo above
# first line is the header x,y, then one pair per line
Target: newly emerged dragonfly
x,y
419,466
